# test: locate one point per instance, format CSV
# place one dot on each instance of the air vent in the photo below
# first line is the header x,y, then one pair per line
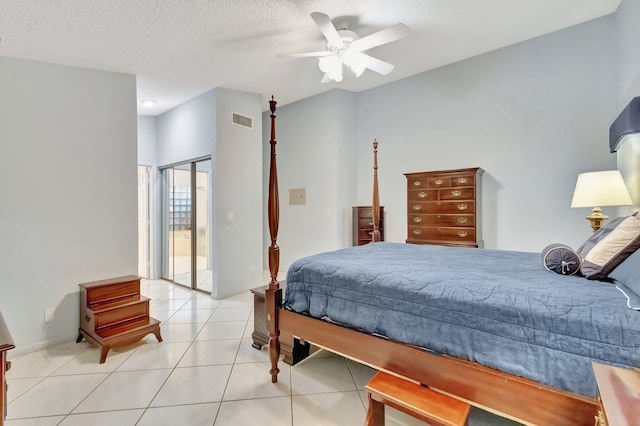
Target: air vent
x,y
242,120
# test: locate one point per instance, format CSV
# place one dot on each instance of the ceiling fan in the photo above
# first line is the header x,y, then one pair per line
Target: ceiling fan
x,y
345,47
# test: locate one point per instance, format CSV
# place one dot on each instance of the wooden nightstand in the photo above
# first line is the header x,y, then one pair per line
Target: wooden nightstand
x,y
291,348
619,395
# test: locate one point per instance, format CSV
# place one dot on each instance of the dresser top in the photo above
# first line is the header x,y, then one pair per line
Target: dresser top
x,y
478,170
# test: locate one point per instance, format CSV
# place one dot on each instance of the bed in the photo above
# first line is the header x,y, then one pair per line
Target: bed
x,y
463,329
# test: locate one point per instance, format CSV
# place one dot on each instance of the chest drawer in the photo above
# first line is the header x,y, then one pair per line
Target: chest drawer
x,y
457,194
464,220
443,207
464,180
442,234
423,195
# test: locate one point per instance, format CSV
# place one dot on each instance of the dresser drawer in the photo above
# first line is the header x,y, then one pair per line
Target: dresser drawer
x,y
428,182
364,234
441,207
365,213
422,195
464,220
367,223
442,234
457,194
455,207
464,180
439,182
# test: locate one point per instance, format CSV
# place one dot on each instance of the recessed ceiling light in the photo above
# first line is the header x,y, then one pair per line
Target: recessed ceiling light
x,y
148,102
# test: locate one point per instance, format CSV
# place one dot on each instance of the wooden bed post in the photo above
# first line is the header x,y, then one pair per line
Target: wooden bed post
x,y
375,213
273,293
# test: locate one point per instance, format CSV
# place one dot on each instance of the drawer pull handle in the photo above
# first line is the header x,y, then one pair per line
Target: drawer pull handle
x,y
417,231
370,223
456,193
417,206
439,182
422,194
462,220
462,207
462,180
417,219
417,183
462,234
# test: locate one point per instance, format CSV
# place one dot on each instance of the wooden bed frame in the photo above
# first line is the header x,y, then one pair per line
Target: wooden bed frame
x,y
507,395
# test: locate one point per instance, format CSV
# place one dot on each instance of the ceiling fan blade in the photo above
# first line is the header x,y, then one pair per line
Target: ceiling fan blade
x,y
381,37
374,64
328,30
304,55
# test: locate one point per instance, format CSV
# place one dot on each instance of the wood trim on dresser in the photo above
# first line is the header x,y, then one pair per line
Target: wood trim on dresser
x,y
508,395
6,344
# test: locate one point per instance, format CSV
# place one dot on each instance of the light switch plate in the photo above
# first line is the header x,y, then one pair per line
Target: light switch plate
x,y
298,196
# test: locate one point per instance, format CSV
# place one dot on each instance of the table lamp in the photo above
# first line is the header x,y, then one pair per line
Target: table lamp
x,y
597,189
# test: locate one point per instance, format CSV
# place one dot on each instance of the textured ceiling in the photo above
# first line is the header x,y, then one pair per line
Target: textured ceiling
x,y
181,48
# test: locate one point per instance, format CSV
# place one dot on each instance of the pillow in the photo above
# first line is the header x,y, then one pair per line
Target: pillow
x,y
605,230
561,259
611,247
627,276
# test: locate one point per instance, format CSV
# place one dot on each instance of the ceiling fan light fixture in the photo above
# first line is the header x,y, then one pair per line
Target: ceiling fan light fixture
x,y
354,62
331,66
345,47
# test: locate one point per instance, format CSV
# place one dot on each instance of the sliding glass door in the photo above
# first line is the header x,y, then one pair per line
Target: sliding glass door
x,y
186,218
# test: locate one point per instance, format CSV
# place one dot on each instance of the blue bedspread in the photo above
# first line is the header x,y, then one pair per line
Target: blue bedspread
x,y
502,309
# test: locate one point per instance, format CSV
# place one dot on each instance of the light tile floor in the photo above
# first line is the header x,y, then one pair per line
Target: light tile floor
x,y
205,372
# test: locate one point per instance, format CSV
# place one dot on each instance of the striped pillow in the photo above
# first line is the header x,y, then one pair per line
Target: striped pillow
x,y
610,248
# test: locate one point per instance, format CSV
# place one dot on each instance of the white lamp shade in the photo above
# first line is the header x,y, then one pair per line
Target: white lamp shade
x,y
596,189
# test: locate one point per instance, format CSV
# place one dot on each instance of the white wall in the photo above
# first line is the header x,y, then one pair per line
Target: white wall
x,y
628,59
533,115
203,127
69,209
147,140
315,151
188,131
238,189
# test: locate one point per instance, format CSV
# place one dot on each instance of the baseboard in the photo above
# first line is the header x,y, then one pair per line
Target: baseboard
x,y
46,344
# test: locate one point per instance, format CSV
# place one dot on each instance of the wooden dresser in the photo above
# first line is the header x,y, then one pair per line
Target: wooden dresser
x,y
6,343
443,207
619,402
363,225
114,313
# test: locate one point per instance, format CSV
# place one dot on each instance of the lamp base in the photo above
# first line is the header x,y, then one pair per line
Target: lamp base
x,y
596,218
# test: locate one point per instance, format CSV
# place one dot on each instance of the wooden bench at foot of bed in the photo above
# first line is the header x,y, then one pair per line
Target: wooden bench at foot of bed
x,y
417,401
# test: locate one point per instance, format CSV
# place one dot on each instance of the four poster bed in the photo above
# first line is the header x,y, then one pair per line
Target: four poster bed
x,y
494,328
